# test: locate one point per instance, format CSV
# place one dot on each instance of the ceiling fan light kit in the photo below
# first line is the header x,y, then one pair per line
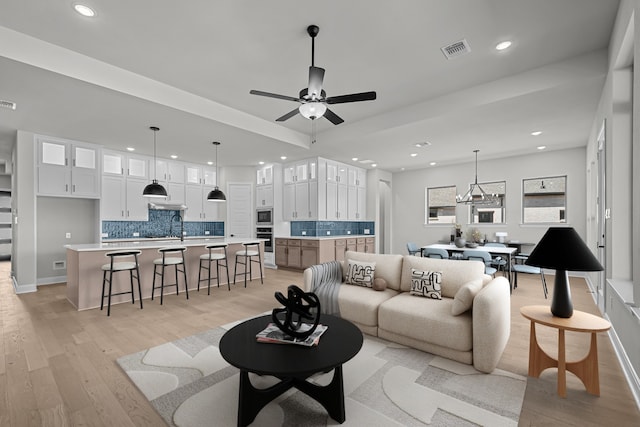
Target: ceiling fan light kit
x,y
154,189
313,98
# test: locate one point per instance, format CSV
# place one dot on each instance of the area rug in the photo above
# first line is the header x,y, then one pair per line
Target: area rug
x,y
189,383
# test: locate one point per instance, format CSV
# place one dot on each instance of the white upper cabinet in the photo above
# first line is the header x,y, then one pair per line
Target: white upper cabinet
x,y
264,175
209,177
305,170
138,167
193,174
113,163
67,168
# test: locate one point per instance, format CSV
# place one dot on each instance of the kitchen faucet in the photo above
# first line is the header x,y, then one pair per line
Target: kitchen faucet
x,y
179,216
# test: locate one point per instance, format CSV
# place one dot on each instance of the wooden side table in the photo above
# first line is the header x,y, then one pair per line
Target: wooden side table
x,y
585,369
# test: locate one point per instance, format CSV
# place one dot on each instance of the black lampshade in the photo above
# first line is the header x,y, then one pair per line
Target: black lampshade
x,y
561,248
216,195
154,190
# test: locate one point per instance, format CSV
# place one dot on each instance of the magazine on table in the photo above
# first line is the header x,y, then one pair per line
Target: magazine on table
x,y
273,334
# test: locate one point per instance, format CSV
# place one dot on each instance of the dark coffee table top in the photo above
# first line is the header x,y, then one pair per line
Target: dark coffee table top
x,y
339,343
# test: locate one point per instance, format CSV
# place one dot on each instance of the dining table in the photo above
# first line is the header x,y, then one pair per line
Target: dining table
x,y
508,252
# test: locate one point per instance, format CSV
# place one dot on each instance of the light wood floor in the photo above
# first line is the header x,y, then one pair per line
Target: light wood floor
x,y
57,365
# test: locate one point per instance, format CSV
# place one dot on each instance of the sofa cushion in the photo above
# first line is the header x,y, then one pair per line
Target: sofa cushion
x,y
426,283
360,305
388,266
454,273
426,320
463,300
360,273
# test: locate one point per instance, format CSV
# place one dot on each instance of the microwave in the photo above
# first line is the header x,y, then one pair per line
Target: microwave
x,y
264,217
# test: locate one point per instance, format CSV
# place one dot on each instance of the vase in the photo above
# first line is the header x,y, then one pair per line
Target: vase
x,y
460,242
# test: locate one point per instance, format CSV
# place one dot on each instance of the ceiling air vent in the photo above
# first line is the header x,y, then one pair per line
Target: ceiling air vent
x,y
7,104
456,49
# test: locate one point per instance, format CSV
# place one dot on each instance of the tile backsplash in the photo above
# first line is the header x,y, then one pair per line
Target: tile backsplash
x,y
161,223
334,228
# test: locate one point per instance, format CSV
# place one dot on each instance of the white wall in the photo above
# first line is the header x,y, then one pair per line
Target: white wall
x,y
24,212
409,195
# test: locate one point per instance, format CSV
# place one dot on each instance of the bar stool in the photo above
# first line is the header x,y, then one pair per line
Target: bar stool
x,y
248,256
219,258
113,267
168,260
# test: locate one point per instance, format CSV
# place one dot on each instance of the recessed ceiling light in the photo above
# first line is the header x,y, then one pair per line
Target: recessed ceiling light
x,y
355,159
131,149
173,156
283,157
84,10
261,162
542,147
401,169
536,133
422,144
414,154
374,165
209,163
432,164
503,45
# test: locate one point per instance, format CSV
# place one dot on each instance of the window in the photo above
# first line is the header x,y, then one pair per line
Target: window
x,y
491,210
544,200
441,205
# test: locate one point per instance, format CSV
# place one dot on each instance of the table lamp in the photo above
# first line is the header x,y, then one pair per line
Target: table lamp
x,y
562,249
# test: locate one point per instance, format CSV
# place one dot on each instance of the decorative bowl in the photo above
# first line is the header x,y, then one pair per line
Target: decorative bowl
x,y
472,245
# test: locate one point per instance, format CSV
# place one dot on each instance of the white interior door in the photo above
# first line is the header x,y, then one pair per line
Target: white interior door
x,y
239,211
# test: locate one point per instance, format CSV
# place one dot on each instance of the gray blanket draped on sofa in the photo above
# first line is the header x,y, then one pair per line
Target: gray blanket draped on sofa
x,y
327,278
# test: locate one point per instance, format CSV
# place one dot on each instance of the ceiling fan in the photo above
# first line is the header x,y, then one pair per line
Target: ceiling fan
x,y
313,99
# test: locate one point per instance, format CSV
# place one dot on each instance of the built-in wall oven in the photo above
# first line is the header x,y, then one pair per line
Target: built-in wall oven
x,y
264,217
265,233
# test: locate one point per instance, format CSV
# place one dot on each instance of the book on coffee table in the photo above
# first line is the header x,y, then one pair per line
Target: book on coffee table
x,y
273,334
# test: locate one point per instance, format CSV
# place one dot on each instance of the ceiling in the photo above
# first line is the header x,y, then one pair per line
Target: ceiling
x,y
187,67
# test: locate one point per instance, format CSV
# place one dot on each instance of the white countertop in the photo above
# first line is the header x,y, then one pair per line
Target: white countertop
x,y
346,236
155,244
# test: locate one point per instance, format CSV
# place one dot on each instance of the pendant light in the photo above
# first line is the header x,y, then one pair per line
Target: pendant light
x,y
216,195
476,194
154,189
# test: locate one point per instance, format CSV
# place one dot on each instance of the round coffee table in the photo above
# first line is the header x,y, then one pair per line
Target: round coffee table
x,y
291,363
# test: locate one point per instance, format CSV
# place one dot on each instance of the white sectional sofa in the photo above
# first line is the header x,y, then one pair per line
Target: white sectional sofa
x,y
476,336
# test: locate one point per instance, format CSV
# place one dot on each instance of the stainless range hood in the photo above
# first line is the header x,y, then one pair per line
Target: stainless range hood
x,y
165,206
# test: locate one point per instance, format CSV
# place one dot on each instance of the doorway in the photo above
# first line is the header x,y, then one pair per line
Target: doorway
x,y
383,231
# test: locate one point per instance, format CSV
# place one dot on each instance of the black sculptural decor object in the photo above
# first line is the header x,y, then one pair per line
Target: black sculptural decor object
x,y
562,249
299,307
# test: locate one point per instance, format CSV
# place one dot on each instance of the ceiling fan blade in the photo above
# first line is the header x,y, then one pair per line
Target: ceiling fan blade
x,y
273,95
333,117
354,97
287,116
316,77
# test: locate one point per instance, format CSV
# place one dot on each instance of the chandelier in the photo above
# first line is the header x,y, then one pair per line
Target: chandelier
x,y
476,194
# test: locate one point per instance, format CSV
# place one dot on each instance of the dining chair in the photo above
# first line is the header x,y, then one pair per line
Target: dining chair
x,y
413,249
435,253
481,256
498,262
519,266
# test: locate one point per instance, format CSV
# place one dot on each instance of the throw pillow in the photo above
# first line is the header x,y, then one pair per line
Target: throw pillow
x,y
426,283
463,299
360,273
379,284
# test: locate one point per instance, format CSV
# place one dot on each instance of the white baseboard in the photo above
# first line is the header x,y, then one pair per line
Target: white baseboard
x,y
23,289
51,280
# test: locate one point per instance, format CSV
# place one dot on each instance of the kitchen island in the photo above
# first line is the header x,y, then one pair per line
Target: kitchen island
x,y
84,261
300,252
